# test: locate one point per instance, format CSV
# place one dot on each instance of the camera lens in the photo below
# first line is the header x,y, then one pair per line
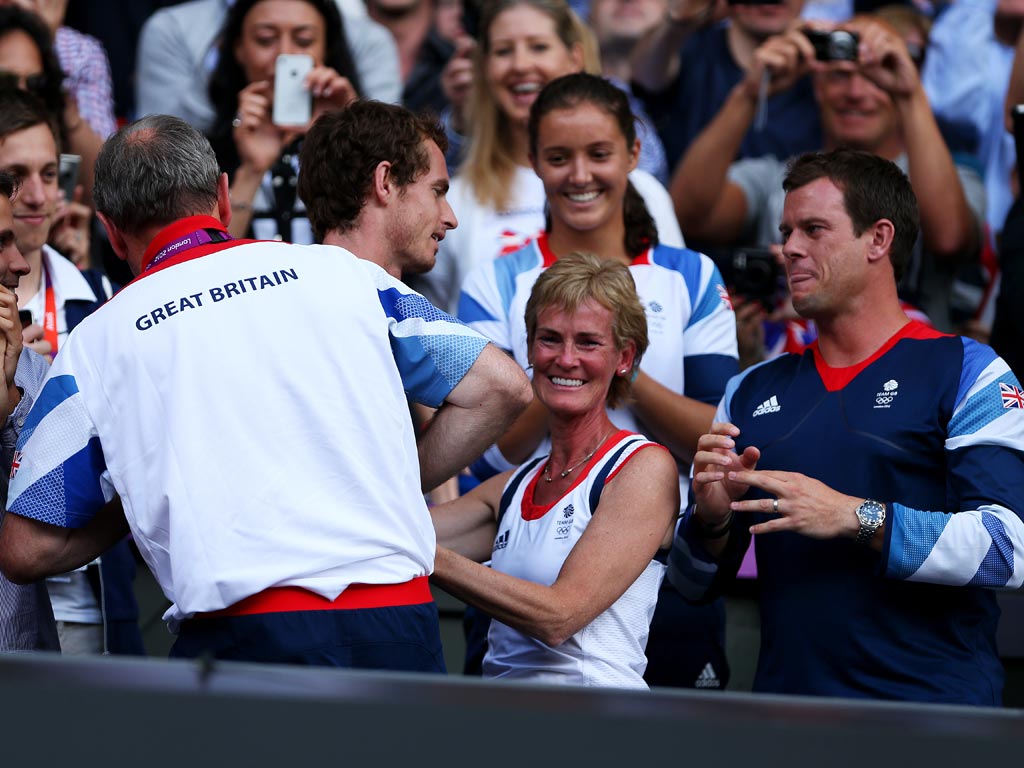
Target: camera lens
x,y
842,46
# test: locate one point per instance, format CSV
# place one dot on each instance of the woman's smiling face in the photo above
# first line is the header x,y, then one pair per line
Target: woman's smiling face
x,y
524,53
584,161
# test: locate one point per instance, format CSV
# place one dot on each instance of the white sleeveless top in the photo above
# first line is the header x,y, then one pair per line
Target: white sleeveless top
x,y
533,543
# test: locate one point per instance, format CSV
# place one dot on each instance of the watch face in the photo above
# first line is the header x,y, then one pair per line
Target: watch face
x,y
871,513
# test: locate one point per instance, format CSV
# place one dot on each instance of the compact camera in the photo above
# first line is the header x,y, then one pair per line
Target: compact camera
x,y
836,45
751,273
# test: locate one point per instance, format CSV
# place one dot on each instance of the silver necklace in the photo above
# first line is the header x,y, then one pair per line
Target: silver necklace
x,y
565,472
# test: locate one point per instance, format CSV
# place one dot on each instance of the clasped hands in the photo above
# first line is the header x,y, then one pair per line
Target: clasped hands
x,y
721,478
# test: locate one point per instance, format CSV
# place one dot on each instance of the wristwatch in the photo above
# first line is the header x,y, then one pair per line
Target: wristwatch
x,y
871,515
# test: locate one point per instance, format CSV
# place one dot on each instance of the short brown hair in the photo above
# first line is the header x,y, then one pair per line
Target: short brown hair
x,y
20,110
343,149
573,279
873,188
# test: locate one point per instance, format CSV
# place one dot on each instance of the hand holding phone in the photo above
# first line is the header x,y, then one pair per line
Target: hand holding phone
x,y
293,103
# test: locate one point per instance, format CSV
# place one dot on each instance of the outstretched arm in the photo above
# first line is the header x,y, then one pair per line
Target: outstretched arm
x,y
467,525
711,208
31,550
948,226
655,61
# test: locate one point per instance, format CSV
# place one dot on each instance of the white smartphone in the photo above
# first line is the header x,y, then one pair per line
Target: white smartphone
x,y
293,103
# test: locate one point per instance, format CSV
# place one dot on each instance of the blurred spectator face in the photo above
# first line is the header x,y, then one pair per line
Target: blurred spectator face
x,y
855,112
274,27
12,264
1011,8
584,161
448,19
50,11
20,57
625,20
30,156
763,21
394,7
524,54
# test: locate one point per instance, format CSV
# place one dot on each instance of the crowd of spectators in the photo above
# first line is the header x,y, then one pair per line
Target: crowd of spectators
x,y
711,101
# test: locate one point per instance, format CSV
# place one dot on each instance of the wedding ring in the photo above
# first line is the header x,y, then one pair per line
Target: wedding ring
x,y
775,506
237,121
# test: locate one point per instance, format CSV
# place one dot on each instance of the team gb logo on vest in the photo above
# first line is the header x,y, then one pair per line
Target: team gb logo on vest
x,y
563,526
889,391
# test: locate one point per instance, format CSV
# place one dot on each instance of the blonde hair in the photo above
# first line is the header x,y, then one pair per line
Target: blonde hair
x,y
490,162
574,279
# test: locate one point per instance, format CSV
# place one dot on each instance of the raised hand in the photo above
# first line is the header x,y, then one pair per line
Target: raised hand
x,y
457,79
714,468
259,142
787,57
71,230
883,58
330,91
10,339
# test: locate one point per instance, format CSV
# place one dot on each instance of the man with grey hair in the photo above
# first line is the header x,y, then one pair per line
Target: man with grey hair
x,y
26,621
276,495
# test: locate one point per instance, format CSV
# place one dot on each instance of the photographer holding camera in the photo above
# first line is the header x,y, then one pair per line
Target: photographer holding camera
x,y
874,103
684,69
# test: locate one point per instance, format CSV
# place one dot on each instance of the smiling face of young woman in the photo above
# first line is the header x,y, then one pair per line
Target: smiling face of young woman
x,y
584,160
273,27
524,53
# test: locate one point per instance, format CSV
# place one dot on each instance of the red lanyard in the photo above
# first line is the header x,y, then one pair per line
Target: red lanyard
x,y
50,317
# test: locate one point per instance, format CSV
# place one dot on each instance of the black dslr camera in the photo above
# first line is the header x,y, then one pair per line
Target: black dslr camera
x,y
837,45
751,273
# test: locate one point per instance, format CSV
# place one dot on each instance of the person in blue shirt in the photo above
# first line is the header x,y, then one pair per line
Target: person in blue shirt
x,y
878,470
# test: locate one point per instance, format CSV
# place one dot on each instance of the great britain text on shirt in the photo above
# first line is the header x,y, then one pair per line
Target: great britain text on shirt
x,y
217,293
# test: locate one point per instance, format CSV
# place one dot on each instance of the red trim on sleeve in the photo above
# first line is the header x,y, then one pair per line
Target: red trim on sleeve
x,y
835,379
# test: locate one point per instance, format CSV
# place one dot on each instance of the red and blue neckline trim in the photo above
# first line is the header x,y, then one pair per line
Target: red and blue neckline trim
x,y
835,379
